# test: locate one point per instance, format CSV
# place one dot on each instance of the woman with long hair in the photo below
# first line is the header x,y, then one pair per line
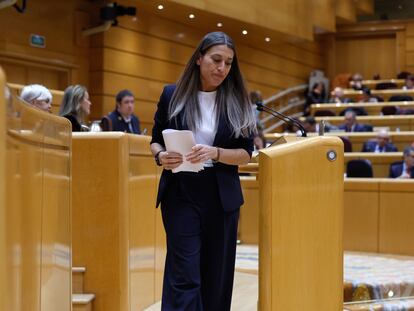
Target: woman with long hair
x,y
200,210
76,106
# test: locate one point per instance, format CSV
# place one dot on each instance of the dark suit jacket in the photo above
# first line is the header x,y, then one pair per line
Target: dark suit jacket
x,y
227,175
76,126
371,146
396,170
115,122
358,127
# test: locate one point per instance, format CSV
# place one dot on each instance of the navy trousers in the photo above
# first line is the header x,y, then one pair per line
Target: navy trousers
x,y
201,245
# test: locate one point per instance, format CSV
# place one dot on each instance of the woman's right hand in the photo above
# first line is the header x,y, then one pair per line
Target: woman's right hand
x,y
170,160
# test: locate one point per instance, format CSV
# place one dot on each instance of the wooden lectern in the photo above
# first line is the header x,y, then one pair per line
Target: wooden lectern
x,y
300,231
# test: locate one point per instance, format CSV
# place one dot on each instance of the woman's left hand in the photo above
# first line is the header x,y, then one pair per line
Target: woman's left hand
x,y
202,153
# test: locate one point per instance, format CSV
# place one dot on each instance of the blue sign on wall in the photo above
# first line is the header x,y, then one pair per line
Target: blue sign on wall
x,y
37,41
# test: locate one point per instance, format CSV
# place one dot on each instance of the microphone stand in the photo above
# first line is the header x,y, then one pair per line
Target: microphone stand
x,y
282,117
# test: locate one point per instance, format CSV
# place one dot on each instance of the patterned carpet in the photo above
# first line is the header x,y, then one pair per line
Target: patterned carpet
x,y
367,276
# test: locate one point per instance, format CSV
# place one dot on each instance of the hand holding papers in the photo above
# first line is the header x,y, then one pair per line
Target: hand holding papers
x,y
181,142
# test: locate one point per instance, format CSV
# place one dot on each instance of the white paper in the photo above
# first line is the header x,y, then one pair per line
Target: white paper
x,y
181,142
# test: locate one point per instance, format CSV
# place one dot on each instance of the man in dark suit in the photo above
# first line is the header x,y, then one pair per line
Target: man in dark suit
x,y
381,144
122,119
404,169
351,124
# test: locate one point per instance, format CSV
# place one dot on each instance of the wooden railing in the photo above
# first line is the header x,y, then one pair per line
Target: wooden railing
x,y
35,211
117,231
370,108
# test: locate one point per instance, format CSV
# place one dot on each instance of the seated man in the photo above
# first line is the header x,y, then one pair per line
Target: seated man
x,y
404,169
38,96
122,119
356,82
338,96
381,144
351,124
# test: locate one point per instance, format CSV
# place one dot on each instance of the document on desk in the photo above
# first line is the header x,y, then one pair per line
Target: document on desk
x,y
181,142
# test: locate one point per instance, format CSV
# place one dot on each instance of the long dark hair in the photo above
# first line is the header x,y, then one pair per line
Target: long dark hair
x,y
232,100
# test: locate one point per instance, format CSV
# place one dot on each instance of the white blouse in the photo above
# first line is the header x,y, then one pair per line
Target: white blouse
x,y
206,132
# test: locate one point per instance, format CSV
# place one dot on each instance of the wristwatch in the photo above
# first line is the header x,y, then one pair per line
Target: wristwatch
x,y
157,158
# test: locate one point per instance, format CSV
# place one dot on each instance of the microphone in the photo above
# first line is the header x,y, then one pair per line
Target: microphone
x,y
282,117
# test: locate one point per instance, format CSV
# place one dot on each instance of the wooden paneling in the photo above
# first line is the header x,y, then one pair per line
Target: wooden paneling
x,y
3,249
361,215
288,17
345,11
379,215
249,213
63,61
367,47
396,218
365,6
356,55
327,20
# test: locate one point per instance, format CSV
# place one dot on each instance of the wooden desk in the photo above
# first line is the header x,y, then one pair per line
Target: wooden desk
x,y
393,122
370,108
379,215
373,83
399,139
385,94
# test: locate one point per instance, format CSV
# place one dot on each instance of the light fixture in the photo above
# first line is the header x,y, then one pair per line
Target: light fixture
x,y
244,32
109,14
191,16
267,39
219,24
160,7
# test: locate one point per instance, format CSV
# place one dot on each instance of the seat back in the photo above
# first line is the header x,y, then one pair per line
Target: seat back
x,y
386,86
389,110
400,98
347,143
324,112
359,168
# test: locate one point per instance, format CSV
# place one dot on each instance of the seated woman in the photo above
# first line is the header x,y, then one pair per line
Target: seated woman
x,y
38,96
317,95
75,107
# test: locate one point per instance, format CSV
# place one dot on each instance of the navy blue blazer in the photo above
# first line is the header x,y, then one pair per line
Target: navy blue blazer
x,y
228,180
115,122
396,170
358,127
371,146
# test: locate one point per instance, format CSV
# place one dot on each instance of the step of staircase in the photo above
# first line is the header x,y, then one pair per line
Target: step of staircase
x,y
77,279
82,302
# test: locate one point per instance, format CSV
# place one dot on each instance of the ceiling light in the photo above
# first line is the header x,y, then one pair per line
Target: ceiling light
x,y
191,16
219,25
244,32
267,39
160,7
